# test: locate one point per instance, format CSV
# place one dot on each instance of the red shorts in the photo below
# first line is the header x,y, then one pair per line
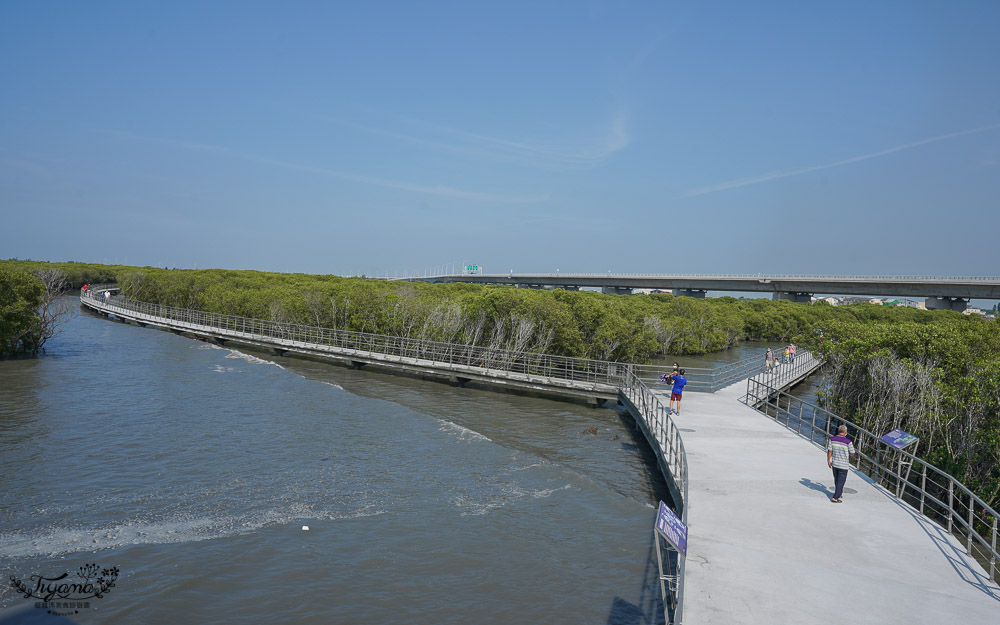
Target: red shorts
x,y
674,396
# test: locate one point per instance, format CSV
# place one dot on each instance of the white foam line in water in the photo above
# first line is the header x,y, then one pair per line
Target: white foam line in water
x,y
533,465
509,494
545,492
251,359
60,541
463,433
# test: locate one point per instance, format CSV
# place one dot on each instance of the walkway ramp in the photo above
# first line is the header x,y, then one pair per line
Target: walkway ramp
x,y
766,545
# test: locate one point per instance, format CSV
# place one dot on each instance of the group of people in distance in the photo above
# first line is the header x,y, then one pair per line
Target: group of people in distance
x,y
770,360
677,382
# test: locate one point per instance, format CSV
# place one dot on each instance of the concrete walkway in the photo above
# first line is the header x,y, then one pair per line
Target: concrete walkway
x,y
766,545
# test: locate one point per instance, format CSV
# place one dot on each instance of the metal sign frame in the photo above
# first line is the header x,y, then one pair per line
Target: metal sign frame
x,y
670,535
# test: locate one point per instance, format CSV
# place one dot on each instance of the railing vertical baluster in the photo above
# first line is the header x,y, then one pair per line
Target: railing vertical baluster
x,y
972,508
951,505
993,550
923,487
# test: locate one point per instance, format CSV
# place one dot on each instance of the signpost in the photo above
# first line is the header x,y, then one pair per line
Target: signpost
x,y
472,269
898,439
671,529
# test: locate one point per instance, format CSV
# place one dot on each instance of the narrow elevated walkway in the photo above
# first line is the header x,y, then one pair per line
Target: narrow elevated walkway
x,y
766,545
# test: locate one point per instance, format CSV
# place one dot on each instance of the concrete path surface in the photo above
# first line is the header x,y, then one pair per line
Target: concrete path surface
x,y
766,545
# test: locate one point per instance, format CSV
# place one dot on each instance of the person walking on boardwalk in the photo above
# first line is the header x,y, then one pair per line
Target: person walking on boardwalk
x,y
791,352
768,360
838,453
675,393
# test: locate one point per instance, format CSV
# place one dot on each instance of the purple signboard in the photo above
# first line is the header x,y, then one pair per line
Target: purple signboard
x,y
899,439
672,529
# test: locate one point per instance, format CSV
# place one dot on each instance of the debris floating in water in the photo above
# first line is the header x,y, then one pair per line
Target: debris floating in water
x,y
305,528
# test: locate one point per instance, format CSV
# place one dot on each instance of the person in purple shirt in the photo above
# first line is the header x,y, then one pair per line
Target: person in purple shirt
x,y
675,393
838,457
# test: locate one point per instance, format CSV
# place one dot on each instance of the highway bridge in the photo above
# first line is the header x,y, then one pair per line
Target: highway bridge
x,y
940,292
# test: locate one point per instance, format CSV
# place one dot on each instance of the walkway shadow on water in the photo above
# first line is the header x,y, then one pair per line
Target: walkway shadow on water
x,y
649,611
649,607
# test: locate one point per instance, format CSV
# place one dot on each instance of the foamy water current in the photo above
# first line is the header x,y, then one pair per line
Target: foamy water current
x,y
193,468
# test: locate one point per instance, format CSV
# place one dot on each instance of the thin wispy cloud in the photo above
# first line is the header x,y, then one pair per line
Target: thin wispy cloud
x,y
743,182
439,190
614,139
566,153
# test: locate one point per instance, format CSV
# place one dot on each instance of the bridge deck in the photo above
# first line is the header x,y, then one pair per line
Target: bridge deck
x,y
766,545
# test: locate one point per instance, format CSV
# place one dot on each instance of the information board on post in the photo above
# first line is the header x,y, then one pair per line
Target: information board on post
x,y
899,439
672,529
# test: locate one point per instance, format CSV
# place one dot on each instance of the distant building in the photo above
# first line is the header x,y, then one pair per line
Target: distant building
x,y
833,301
650,291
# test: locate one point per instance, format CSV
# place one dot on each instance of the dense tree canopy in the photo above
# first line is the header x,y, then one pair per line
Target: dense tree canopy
x,y
21,296
933,373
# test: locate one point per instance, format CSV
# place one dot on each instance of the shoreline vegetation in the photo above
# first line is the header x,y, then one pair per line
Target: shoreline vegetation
x,y
935,374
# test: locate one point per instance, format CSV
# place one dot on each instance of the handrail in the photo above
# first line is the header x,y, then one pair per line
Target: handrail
x,y
711,380
930,491
722,276
522,362
669,447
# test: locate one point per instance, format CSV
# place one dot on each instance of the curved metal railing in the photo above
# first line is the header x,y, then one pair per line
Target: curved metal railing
x,y
290,334
913,481
665,438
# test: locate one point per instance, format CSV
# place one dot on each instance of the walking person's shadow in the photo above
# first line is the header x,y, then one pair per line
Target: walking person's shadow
x,y
816,486
820,488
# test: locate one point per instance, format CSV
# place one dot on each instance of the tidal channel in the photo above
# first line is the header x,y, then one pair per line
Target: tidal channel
x,y
193,469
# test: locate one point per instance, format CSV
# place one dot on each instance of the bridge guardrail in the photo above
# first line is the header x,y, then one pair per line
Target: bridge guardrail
x,y
925,488
533,363
665,438
737,276
711,380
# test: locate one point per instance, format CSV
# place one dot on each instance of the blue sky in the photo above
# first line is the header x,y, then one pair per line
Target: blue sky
x,y
347,138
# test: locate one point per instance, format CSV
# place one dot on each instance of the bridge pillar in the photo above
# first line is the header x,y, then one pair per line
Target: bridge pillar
x,y
616,290
946,303
802,298
690,292
529,286
570,288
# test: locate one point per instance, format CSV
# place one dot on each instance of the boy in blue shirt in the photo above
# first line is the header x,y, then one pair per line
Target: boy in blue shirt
x,y
675,393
